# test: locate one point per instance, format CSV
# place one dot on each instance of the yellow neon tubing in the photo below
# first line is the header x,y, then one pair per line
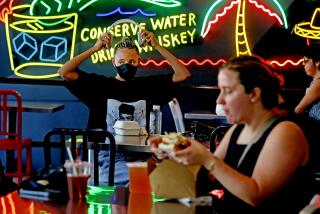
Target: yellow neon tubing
x,y
32,27
74,36
37,64
241,14
38,26
9,41
315,14
20,6
70,27
308,29
32,19
15,70
311,34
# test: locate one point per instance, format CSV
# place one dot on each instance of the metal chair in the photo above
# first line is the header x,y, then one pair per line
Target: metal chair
x,y
11,131
87,137
216,136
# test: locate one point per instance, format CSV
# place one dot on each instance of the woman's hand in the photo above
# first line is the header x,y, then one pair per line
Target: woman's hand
x,y
104,41
194,154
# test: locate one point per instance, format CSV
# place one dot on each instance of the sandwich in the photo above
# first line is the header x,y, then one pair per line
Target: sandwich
x,y
173,142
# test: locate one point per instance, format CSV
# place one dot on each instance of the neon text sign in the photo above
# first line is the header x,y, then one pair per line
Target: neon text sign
x,y
186,22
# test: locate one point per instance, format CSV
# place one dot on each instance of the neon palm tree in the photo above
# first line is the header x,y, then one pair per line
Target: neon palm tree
x,y
242,46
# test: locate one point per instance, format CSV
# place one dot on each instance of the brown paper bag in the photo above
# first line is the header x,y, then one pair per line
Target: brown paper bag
x,y
173,180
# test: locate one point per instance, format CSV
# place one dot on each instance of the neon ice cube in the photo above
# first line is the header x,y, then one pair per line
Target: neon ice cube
x,y
53,48
25,45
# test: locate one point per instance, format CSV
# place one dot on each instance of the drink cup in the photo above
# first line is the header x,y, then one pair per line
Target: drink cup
x,y
78,173
138,177
140,203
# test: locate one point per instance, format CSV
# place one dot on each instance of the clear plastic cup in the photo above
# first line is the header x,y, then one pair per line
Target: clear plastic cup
x,y
78,173
138,177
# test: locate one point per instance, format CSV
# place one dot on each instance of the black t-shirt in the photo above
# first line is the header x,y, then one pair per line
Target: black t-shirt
x,y
94,90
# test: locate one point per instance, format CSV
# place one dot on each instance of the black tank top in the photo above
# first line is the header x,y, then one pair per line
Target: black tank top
x,y
295,195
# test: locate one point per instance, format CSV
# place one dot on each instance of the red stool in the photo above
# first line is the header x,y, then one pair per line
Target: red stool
x,y
11,131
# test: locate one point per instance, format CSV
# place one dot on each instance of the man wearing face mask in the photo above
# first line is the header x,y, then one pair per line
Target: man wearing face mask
x,y
93,89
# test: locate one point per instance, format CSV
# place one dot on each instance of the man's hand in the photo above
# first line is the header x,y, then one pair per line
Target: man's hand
x,y
104,41
149,38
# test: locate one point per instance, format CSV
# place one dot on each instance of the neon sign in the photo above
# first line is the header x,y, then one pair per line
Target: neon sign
x,y
49,39
5,10
26,44
52,7
58,5
164,3
44,33
118,10
242,45
310,29
219,62
185,37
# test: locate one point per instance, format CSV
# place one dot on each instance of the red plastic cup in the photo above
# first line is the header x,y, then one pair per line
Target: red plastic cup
x,y
78,173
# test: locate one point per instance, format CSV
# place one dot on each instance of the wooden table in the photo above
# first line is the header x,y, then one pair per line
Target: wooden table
x,y
108,200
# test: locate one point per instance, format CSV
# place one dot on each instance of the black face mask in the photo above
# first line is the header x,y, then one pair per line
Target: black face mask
x,y
127,71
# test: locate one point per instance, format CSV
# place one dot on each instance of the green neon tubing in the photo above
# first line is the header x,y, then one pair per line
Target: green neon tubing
x,y
282,13
164,3
46,6
59,5
52,23
206,18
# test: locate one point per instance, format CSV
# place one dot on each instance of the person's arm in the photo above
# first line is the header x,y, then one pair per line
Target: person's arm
x,y
311,96
272,169
181,73
69,70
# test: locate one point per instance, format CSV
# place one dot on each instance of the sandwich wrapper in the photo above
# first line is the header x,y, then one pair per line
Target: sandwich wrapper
x,y
168,207
172,180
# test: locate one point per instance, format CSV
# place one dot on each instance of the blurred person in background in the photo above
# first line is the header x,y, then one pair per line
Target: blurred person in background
x,y
310,103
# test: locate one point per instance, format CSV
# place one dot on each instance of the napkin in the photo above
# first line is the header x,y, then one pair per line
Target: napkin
x,y
169,207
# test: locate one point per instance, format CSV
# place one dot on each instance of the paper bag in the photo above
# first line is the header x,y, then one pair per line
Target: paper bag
x,y
173,180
